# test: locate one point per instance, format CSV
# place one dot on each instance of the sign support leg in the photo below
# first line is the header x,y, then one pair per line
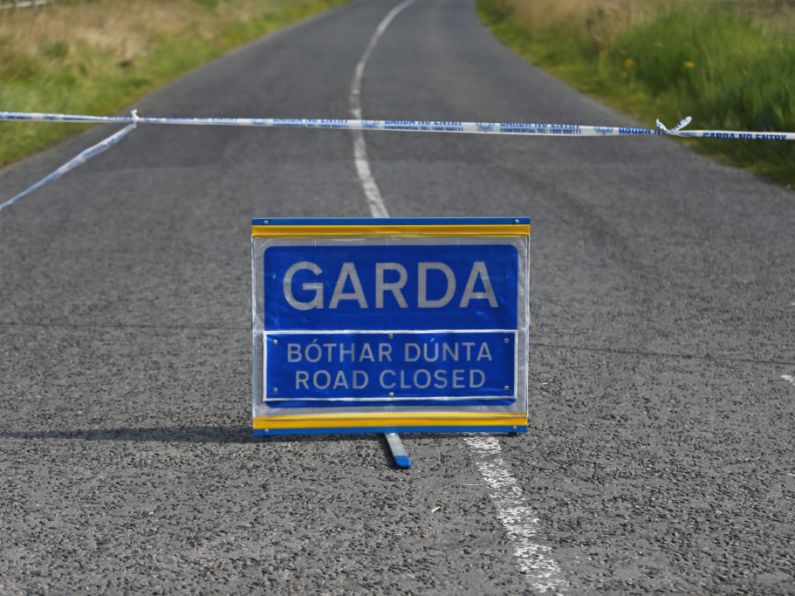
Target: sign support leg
x,y
399,453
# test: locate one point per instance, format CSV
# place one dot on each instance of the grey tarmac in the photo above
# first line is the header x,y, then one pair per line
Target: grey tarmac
x,y
661,451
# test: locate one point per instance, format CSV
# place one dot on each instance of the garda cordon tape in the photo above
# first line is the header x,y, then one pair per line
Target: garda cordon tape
x,y
495,128
426,126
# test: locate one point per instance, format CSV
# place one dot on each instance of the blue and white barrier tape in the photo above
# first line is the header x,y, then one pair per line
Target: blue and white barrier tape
x,y
494,128
498,128
76,161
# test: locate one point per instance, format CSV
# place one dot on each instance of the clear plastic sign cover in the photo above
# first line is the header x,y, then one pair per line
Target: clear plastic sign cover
x,y
378,324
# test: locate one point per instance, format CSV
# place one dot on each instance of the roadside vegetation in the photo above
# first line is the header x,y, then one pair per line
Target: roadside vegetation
x,y
98,56
728,63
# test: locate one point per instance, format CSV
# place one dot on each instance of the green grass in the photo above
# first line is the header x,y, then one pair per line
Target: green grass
x,y
712,62
98,56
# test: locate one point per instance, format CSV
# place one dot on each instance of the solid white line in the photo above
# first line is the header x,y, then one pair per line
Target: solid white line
x,y
518,518
789,378
374,200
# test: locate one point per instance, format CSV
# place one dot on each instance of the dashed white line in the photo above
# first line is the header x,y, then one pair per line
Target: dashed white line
x,y
374,200
789,378
517,517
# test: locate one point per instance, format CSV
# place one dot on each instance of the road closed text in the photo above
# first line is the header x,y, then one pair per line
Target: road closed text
x,y
390,365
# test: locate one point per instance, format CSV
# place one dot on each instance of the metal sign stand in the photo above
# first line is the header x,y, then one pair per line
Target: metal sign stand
x,y
399,453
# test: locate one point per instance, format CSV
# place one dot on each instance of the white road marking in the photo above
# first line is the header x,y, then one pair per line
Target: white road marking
x,y
789,378
374,200
517,517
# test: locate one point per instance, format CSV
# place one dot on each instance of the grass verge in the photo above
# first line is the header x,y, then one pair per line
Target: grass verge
x,y
98,56
730,65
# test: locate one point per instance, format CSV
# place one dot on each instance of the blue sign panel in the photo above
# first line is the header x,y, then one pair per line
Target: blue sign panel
x,y
330,369
390,287
387,325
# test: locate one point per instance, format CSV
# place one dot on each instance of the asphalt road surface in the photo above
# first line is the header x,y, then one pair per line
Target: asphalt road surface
x,y
661,451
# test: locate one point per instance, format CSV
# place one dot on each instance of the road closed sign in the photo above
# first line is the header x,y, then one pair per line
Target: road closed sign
x,y
390,325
